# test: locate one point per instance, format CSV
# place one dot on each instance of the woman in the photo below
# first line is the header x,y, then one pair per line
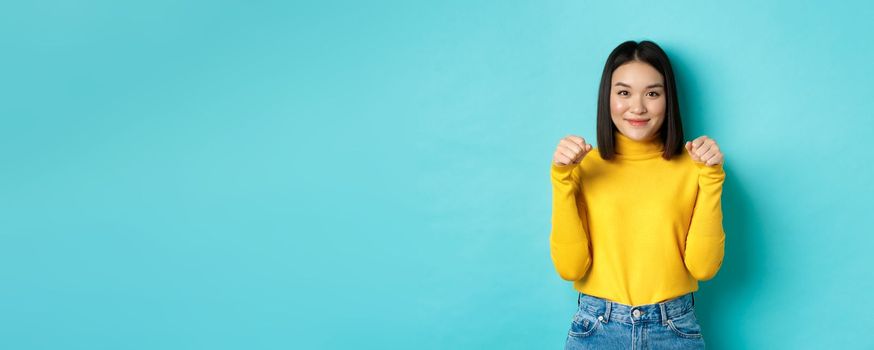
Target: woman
x,y
638,223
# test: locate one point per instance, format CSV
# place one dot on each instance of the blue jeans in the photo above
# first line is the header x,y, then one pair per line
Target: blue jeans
x,y
604,324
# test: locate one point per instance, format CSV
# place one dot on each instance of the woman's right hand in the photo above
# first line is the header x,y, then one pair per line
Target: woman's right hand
x,y
571,150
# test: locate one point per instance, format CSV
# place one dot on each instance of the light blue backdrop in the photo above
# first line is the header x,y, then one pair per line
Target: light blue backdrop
x,y
333,175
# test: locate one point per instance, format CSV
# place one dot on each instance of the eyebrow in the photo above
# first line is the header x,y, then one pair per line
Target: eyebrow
x,y
648,87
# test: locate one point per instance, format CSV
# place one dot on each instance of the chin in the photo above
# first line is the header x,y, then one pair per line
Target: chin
x,y
637,134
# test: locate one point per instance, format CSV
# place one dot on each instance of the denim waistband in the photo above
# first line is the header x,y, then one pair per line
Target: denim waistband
x,y
659,312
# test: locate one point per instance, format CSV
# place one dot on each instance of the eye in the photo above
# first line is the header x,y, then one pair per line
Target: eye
x,y
653,94
622,92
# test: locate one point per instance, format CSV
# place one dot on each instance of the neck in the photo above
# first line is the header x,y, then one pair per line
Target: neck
x,y
629,146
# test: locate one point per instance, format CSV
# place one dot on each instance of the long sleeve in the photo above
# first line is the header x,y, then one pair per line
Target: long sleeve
x,y
705,242
568,239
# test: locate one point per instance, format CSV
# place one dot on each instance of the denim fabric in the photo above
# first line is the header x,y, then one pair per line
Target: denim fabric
x,y
604,324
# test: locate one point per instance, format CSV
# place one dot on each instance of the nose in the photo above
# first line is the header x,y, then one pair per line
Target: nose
x,y
637,107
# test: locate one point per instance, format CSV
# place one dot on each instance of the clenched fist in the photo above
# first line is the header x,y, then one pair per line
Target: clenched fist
x,y
571,150
704,150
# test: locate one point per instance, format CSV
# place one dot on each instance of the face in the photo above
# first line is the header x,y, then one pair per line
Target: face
x,y
637,100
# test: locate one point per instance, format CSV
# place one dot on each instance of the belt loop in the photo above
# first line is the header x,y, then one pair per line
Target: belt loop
x,y
607,311
693,298
579,295
664,314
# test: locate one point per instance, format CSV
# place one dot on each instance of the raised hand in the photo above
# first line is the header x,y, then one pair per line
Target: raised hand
x,y
570,150
704,150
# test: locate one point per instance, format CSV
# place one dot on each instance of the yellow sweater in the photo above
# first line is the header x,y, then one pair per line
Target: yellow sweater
x,y
639,229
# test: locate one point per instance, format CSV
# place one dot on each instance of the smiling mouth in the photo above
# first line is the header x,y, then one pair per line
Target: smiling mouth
x,y
637,122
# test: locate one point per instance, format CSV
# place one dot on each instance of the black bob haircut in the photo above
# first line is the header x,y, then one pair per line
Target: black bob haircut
x,y
671,131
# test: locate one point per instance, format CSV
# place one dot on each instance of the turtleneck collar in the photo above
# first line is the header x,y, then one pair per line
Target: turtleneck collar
x,y
626,146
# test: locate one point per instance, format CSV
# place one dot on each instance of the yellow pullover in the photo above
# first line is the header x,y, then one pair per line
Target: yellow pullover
x,y
638,229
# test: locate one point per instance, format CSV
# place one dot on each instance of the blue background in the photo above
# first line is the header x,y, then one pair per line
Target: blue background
x,y
276,175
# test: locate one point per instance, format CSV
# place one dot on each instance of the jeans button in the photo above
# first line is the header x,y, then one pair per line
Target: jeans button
x,y
636,313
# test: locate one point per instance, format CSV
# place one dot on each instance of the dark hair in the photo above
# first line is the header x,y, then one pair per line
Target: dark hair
x,y
671,129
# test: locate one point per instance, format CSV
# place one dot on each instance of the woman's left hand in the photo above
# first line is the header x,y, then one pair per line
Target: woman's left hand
x,y
704,150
